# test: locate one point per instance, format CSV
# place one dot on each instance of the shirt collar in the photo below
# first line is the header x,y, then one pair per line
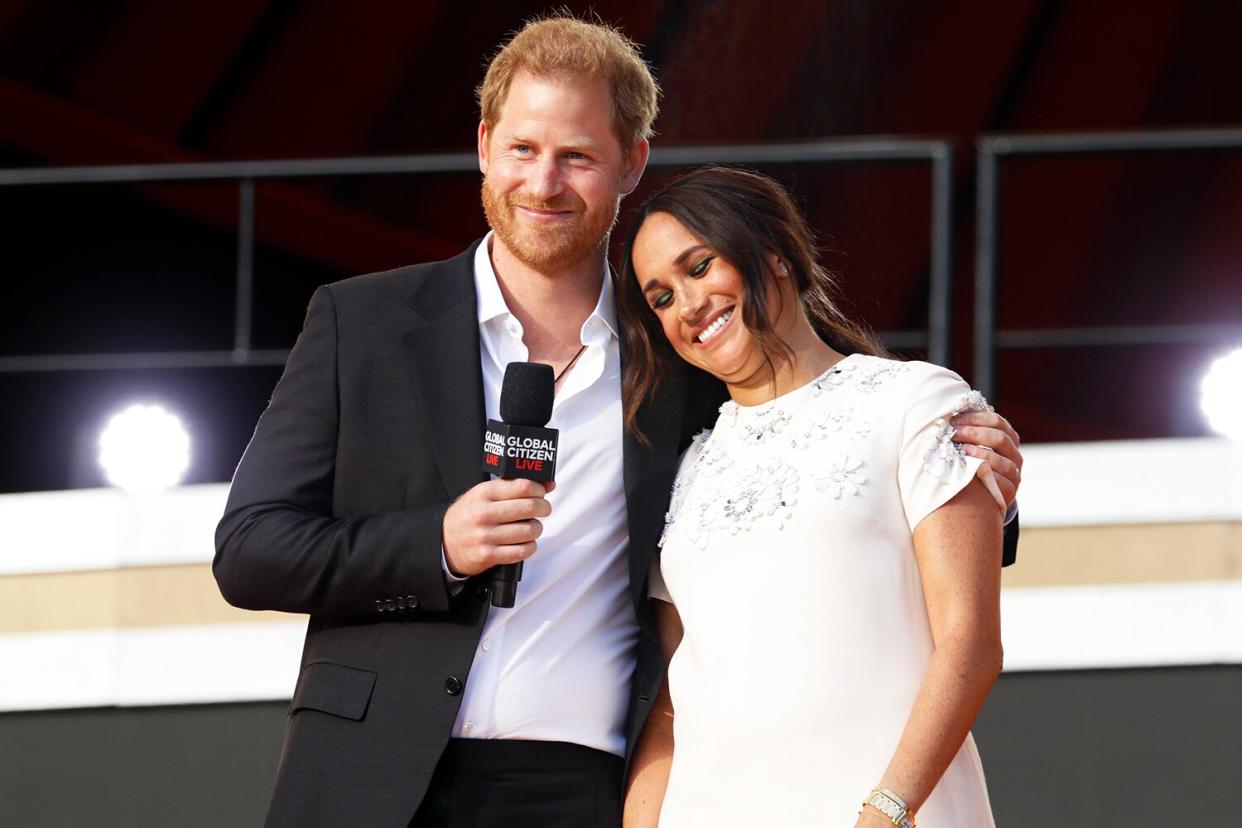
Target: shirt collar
x,y
492,301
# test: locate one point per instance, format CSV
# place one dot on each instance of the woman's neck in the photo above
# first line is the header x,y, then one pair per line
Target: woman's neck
x,y
811,357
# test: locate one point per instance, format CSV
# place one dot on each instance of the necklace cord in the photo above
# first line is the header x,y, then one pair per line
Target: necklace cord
x,y
569,365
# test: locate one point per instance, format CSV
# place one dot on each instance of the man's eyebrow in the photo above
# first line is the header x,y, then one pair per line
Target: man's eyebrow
x,y
685,254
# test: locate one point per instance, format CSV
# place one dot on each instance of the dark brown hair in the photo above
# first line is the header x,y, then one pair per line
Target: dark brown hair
x,y
744,217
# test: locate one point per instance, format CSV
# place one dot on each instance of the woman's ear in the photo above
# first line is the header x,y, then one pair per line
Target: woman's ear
x,y
778,266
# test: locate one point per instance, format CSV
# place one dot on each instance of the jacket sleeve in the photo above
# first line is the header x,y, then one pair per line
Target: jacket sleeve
x,y
1009,552
279,545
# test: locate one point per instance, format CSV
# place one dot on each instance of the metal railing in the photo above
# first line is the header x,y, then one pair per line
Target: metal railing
x,y
991,150
851,151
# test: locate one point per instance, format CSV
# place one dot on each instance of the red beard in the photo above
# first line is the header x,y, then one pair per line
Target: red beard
x,y
553,247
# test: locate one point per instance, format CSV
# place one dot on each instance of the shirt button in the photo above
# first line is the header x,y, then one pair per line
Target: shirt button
x,y
487,645
468,726
452,685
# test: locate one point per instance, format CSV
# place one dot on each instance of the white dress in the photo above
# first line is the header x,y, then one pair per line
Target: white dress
x,y
788,554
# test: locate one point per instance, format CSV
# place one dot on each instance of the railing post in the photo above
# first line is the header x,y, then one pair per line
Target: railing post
x,y
244,301
940,318
987,206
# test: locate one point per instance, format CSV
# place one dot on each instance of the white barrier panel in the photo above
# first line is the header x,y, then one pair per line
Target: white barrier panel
x,y
150,665
108,529
1044,628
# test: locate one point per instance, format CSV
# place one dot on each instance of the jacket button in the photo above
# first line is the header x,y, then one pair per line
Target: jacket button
x,y
390,605
400,603
379,606
482,592
411,601
452,685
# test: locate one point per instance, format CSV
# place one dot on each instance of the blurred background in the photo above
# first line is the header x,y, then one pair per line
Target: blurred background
x,y
1045,195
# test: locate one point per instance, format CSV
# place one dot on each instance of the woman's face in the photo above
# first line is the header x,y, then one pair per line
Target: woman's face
x,y
698,299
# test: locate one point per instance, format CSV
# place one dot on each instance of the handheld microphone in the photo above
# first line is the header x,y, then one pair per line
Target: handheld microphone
x,y
518,446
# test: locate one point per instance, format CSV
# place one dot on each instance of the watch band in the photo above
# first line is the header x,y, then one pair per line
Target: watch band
x,y
892,806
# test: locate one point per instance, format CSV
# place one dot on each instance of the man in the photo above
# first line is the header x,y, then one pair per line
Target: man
x,y
360,500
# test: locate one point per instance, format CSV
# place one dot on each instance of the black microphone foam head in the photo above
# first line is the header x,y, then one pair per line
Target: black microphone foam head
x,y
526,394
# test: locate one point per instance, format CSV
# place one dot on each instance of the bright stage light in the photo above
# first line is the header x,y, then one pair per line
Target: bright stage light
x,y
1221,395
144,449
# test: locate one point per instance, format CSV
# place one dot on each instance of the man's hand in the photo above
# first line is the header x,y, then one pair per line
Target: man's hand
x,y
495,522
989,436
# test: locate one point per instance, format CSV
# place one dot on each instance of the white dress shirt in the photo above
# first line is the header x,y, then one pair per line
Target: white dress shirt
x,y
558,665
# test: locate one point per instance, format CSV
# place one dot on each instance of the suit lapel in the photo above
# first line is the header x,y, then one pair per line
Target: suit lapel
x,y
442,347
649,473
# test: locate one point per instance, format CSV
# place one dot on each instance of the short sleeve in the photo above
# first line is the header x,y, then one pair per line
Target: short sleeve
x,y
686,467
932,468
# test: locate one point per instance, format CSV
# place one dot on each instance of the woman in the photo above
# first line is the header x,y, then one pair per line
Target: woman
x,y
829,576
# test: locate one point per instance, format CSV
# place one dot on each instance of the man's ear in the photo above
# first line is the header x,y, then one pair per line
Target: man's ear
x,y
483,147
635,164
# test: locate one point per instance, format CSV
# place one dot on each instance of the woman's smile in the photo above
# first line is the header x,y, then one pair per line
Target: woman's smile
x,y
713,328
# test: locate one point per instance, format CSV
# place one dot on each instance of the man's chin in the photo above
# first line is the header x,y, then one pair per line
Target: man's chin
x,y
552,249
550,258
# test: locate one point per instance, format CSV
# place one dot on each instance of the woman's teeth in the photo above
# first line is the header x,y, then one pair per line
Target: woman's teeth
x,y
714,328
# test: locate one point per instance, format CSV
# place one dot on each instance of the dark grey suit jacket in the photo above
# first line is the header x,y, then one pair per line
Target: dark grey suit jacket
x,y
336,511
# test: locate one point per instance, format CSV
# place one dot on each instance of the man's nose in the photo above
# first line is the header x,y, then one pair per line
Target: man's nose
x,y
545,182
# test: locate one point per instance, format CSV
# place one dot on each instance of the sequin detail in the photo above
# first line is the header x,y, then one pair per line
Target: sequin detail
x,y
943,455
766,491
876,378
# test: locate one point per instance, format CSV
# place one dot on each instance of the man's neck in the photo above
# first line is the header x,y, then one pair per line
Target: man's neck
x,y
550,305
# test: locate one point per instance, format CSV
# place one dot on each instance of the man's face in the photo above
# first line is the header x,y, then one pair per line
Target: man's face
x,y
554,170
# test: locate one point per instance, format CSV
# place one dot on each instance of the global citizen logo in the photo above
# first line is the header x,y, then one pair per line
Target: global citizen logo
x,y
522,452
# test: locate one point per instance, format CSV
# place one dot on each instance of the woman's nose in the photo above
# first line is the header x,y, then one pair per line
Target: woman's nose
x,y
693,303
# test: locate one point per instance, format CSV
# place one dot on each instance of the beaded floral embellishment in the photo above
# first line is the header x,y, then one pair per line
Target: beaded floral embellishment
x,y
873,380
840,476
767,490
943,455
681,485
841,420
765,425
834,377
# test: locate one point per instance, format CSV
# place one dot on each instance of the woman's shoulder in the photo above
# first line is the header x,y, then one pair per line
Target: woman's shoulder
x,y
874,373
897,388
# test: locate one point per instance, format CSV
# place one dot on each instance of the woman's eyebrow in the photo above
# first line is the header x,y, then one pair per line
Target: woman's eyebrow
x,y
685,254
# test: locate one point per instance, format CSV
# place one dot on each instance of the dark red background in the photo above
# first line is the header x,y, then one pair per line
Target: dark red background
x,y
1087,241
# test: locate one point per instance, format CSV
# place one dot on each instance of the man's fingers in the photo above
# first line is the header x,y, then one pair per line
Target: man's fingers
x,y
523,531
992,438
512,553
988,419
526,508
1007,474
501,489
